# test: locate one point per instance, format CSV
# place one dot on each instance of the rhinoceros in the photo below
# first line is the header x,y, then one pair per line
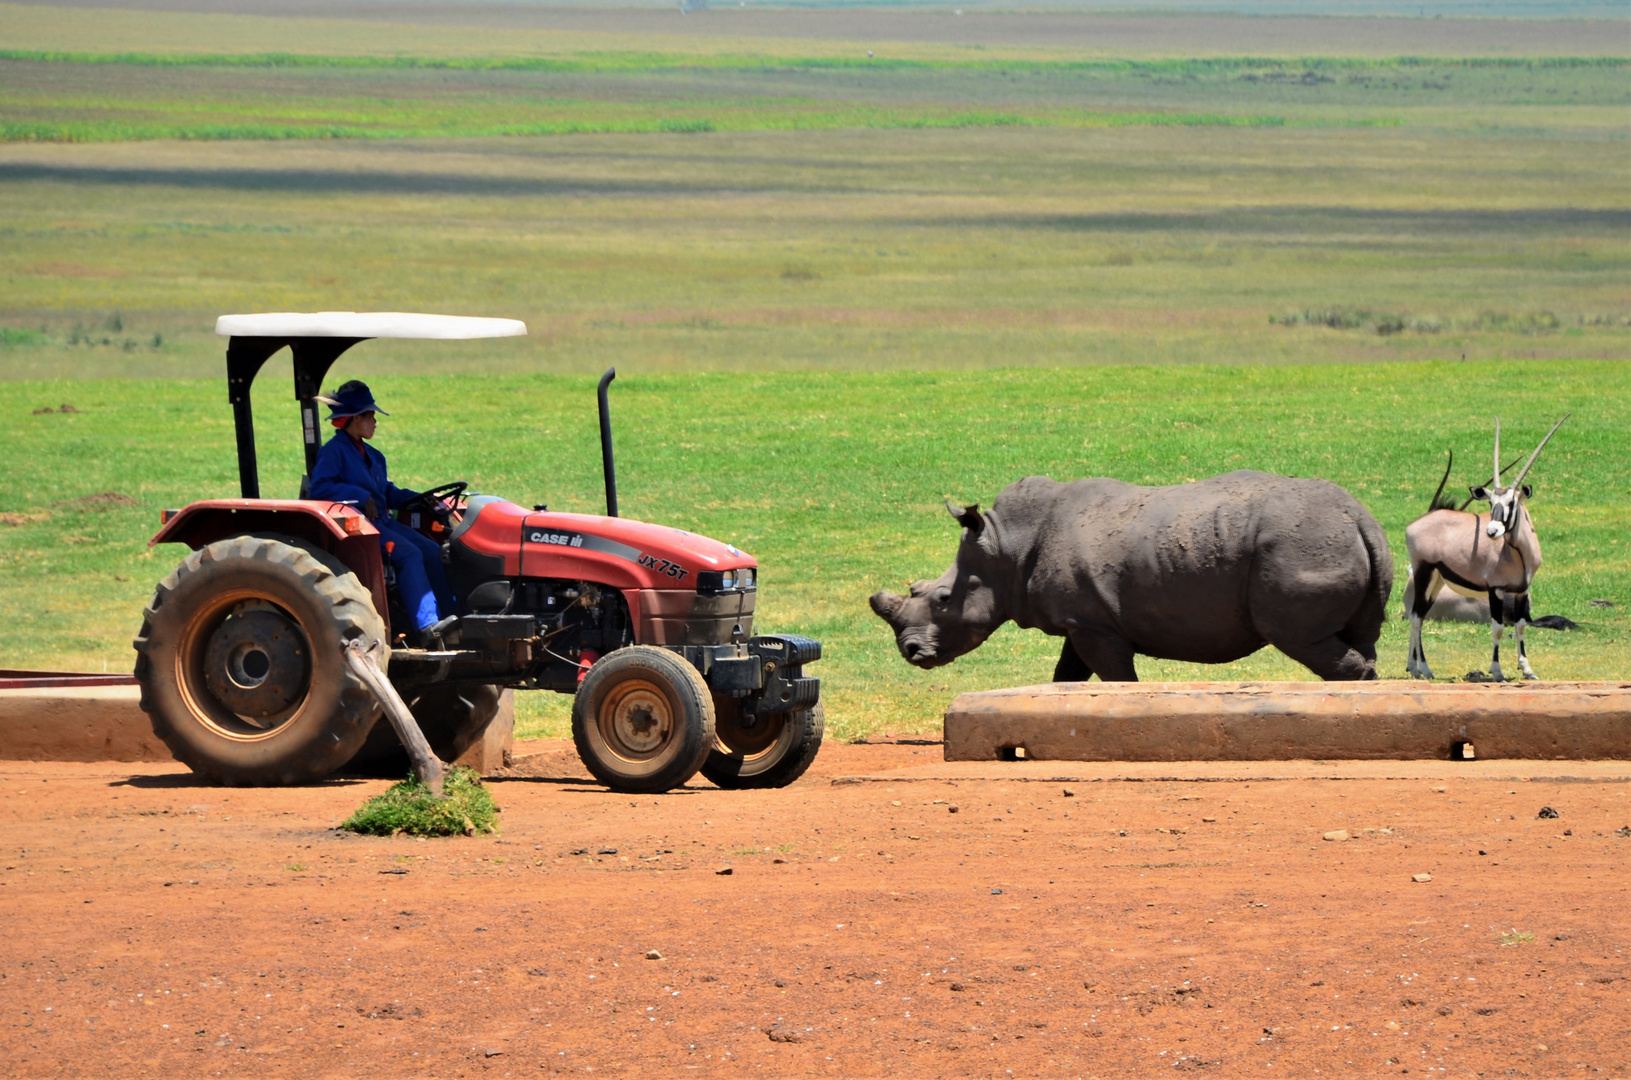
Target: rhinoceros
x,y
1206,572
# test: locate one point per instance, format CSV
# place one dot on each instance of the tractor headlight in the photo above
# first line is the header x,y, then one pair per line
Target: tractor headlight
x,y
718,581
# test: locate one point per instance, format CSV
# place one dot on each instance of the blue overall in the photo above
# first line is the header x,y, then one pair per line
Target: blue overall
x,y
344,475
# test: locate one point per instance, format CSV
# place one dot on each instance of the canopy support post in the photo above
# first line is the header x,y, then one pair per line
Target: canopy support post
x,y
245,355
312,359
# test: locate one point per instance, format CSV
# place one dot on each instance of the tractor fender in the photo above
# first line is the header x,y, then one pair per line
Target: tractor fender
x,y
336,528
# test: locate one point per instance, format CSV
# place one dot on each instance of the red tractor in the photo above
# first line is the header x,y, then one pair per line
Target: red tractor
x,y
240,655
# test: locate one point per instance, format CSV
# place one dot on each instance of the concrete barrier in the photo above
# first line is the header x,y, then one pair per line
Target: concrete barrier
x,y
58,722
77,723
492,751
1399,720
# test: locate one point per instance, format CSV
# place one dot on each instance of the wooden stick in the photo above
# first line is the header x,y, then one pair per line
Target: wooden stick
x,y
365,663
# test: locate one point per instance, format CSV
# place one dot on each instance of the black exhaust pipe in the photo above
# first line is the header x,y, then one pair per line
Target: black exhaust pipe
x,y
606,443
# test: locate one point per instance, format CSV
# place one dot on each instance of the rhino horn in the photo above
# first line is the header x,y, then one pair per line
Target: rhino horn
x,y
886,605
967,516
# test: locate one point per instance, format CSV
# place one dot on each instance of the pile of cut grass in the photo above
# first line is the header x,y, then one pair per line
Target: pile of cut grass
x,y
409,807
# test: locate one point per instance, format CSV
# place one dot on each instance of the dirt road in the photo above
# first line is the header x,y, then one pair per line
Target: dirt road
x,y
931,920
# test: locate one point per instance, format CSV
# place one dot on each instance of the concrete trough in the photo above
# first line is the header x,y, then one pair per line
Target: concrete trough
x,y
74,716
83,716
1268,721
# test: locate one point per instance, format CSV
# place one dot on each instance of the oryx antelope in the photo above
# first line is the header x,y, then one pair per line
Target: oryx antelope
x,y
1454,603
1496,553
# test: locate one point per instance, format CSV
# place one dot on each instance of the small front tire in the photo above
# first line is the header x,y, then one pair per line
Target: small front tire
x,y
772,752
643,720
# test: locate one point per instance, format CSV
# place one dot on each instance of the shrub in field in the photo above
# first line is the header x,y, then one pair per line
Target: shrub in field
x,y
1337,318
409,807
1386,322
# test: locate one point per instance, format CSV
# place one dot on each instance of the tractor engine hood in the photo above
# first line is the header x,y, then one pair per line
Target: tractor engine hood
x,y
617,552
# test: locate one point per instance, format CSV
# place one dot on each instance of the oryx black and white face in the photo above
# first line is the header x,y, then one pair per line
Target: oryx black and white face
x,y
1506,502
1505,507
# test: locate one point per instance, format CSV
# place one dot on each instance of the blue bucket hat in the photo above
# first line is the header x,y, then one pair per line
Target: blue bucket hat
x,y
351,399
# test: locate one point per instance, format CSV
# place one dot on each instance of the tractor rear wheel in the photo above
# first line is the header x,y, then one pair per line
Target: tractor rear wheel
x,y
240,666
453,717
643,720
771,752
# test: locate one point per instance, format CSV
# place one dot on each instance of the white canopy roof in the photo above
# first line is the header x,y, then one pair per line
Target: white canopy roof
x,y
366,324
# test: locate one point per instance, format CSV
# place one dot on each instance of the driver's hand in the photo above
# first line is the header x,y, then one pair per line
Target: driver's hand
x,y
370,509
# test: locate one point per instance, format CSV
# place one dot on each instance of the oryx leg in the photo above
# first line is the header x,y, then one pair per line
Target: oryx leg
x,y
1496,625
1427,583
1521,602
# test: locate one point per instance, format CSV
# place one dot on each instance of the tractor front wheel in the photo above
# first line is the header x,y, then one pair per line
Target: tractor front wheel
x,y
240,666
643,720
766,751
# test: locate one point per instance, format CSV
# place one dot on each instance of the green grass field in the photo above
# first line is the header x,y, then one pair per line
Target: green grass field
x,y
831,249
837,289
117,97
835,482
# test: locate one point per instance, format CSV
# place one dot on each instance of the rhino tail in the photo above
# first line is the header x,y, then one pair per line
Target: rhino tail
x,y
1366,625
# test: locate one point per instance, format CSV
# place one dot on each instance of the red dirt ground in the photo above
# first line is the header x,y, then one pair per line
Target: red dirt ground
x,y
930,920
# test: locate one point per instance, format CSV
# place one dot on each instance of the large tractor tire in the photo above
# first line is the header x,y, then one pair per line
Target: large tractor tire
x,y
453,716
643,720
771,752
239,661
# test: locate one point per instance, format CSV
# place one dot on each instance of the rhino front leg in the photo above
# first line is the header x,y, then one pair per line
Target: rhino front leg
x,y
1071,668
1110,657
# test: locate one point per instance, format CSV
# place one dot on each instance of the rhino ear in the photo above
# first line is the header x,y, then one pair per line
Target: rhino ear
x,y
967,516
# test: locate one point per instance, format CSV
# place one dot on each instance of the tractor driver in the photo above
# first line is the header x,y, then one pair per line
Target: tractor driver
x,y
348,470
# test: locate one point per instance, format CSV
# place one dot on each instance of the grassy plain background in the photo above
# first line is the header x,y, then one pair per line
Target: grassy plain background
x,y
866,288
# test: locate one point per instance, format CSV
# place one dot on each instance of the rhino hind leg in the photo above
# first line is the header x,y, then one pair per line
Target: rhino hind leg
x,y
1110,658
1332,659
1071,667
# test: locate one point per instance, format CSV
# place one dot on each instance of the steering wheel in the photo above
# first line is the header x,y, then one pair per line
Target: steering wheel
x,y
430,499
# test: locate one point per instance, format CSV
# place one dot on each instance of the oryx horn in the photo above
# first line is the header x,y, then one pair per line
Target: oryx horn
x,y
1497,481
1519,481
